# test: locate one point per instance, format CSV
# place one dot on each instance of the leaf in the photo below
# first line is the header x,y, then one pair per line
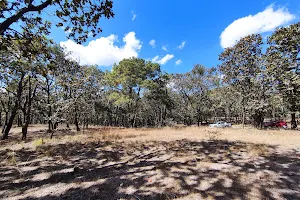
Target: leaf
x,y
59,24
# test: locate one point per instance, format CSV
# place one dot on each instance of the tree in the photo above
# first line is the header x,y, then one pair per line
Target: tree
x,y
157,103
193,90
128,80
243,68
284,65
32,85
84,92
21,72
203,80
13,71
225,102
80,17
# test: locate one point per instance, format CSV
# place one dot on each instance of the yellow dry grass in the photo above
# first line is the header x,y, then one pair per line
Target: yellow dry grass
x,y
286,139
282,138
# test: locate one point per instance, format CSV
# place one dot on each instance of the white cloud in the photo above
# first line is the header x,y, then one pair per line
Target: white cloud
x,y
181,45
133,15
178,62
162,60
103,51
152,43
68,31
262,22
164,48
155,59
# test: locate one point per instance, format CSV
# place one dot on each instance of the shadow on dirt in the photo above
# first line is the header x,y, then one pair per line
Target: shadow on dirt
x,y
44,133
153,170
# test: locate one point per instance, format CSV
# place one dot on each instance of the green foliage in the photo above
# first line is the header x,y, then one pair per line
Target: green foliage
x,y
243,68
284,63
131,76
42,85
193,91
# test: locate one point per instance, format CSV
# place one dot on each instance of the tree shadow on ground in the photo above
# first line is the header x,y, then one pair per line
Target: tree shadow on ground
x,y
152,170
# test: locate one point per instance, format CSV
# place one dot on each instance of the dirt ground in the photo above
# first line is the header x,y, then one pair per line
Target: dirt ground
x,y
137,164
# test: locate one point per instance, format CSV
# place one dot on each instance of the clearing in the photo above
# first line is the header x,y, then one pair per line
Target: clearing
x,y
168,163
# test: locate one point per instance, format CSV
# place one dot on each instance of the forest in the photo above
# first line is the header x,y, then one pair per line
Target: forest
x,y
134,130
256,79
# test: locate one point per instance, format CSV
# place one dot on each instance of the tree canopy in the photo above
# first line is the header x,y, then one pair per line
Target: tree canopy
x,y
255,80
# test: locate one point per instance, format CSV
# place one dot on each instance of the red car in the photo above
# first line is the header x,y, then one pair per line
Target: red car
x,y
275,124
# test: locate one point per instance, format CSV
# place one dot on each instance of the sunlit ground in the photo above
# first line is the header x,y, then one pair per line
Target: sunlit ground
x,y
167,163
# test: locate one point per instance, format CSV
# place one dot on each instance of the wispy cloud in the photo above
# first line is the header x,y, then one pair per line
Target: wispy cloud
x,y
181,45
152,43
133,15
164,48
162,60
262,22
178,62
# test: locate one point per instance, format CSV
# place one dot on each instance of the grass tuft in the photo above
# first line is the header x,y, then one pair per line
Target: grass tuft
x,y
38,142
213,135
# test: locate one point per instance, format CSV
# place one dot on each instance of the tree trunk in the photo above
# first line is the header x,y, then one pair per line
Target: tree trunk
x,y
19,120
243,117
133,121
51,136
258,120
9,124
86,123
76,119
293,122
76,123
5,122
262,121
31,95
50,125
24,131
55,125
161,117
7,128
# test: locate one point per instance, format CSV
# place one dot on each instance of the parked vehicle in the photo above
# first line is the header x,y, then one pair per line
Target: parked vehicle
x,y
276,124
220,124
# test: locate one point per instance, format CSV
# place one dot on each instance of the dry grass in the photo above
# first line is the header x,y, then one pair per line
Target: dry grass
x,y
284,138
146,163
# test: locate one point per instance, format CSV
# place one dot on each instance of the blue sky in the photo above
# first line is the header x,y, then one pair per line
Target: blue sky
x,y
197,24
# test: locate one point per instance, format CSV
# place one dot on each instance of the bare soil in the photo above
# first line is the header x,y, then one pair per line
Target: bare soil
x,y
168,163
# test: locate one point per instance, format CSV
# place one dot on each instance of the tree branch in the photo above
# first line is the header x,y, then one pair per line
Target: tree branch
x,y
31,8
